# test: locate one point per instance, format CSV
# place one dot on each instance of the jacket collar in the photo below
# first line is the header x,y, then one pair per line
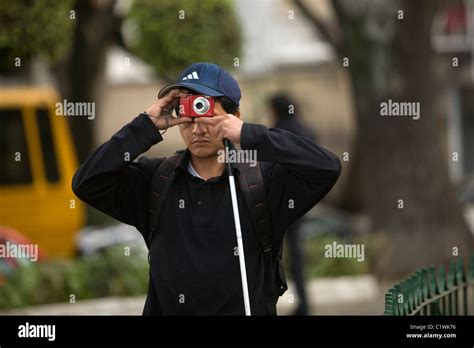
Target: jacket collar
x,y
186,157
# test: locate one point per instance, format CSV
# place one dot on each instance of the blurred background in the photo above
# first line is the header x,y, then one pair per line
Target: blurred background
x,y
406,193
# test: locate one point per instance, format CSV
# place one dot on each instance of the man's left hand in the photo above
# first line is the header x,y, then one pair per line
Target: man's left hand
x,y
223,126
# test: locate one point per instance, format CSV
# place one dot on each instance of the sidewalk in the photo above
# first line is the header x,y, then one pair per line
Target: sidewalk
x,y
327,296
359,295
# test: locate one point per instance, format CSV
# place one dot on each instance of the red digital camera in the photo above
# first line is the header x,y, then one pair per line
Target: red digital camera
x,y
196,106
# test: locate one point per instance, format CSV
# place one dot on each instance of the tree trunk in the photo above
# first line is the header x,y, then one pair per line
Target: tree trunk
x,y
407,189
80,76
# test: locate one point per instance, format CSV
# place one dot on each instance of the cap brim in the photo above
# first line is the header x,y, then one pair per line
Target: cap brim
x,y
196,87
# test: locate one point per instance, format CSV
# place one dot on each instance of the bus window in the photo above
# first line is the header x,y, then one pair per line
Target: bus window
x,y
47,145
14,159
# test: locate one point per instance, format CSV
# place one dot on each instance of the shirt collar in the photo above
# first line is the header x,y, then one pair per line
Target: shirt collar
x,y
193,172
185,159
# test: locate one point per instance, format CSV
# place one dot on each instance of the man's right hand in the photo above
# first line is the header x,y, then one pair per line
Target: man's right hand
x,y
161,110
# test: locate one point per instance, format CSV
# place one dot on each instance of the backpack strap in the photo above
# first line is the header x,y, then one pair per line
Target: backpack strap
x,y
252,187
161,183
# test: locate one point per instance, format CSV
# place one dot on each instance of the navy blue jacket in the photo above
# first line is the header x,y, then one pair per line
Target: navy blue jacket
x,y
194,268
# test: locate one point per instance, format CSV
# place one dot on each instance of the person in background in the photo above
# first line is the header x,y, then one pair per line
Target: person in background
x,y
284,114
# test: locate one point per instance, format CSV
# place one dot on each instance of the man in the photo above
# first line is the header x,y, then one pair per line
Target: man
x,y
194,267
283,111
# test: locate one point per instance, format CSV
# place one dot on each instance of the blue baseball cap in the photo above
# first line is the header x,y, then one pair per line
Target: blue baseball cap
x,y
207,79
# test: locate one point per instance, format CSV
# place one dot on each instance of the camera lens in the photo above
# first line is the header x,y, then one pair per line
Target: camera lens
x,y
201,105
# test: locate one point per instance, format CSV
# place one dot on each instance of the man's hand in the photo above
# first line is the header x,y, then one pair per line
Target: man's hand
x,y
223,126
161,110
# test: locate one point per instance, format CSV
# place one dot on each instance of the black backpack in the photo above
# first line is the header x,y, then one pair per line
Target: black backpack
x,y
253,190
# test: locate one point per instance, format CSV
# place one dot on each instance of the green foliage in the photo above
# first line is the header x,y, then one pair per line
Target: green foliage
x,y
317,265
28,28
110,273
208,32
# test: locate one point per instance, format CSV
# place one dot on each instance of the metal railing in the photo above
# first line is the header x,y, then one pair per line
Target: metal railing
x,y
433,291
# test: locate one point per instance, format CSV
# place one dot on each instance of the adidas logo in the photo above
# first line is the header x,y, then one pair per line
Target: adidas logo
x,y
192,76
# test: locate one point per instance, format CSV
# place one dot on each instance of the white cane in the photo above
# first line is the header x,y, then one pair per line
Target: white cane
x,y
238,232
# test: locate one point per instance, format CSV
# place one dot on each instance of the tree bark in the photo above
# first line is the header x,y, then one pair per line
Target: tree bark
x,y
80,76
406,188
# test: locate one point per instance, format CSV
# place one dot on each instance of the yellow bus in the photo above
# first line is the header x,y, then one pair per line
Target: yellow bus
x,y
37,162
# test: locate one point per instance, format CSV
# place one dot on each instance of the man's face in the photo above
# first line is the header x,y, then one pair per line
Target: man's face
x,y
200,139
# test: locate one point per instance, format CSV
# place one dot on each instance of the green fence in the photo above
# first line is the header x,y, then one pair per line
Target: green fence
x,y
433,291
